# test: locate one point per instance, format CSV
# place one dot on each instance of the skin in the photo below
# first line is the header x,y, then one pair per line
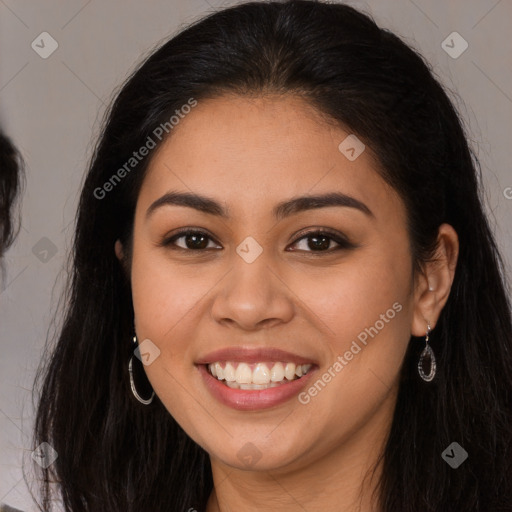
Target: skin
x,y
250,154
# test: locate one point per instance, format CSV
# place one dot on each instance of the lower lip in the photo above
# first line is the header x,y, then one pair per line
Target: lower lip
x,y
253,399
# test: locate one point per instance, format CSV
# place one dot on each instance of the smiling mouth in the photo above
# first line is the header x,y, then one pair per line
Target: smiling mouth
x,y
263,375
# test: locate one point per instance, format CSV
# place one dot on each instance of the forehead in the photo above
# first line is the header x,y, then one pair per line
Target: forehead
x,y
251,151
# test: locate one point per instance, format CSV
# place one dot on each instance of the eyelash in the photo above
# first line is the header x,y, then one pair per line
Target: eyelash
x,y
341,241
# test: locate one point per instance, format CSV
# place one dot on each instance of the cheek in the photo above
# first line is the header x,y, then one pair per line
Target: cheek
x,y
166,301
355,296
367,309
162,294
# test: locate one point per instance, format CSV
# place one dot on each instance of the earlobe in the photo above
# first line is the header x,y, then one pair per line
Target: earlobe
x,y
433,286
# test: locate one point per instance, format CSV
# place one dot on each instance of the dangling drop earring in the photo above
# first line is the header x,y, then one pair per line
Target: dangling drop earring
x,y
139,370
426,356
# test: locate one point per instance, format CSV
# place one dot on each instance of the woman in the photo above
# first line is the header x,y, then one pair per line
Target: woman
x,y
285,293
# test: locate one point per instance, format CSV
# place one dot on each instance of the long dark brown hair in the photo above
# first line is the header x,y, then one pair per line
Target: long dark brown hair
x,y
11,186
114,453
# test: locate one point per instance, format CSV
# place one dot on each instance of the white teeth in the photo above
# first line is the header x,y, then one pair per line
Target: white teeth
x,y
277,373
241,376
229,373
289,371
235,385
261,374
219,372
253,386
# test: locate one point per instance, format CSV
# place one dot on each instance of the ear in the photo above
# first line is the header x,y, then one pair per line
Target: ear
x,y
433,285
118,247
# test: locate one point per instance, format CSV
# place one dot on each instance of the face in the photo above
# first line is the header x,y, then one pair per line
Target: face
x,y
328,282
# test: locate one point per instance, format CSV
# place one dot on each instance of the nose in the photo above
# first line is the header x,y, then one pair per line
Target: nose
x,y
253,296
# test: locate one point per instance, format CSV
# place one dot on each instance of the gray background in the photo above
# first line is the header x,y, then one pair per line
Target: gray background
x,y
52,110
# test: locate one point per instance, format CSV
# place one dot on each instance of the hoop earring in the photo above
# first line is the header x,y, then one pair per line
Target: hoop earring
x,y
139,370
427,355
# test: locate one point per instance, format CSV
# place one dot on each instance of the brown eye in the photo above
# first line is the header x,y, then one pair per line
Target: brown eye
x,y
320,241
193,240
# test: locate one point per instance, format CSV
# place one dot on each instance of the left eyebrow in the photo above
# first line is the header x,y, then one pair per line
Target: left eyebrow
x,y
282,210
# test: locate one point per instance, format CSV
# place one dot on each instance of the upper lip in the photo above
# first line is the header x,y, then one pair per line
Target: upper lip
x,y
252,355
